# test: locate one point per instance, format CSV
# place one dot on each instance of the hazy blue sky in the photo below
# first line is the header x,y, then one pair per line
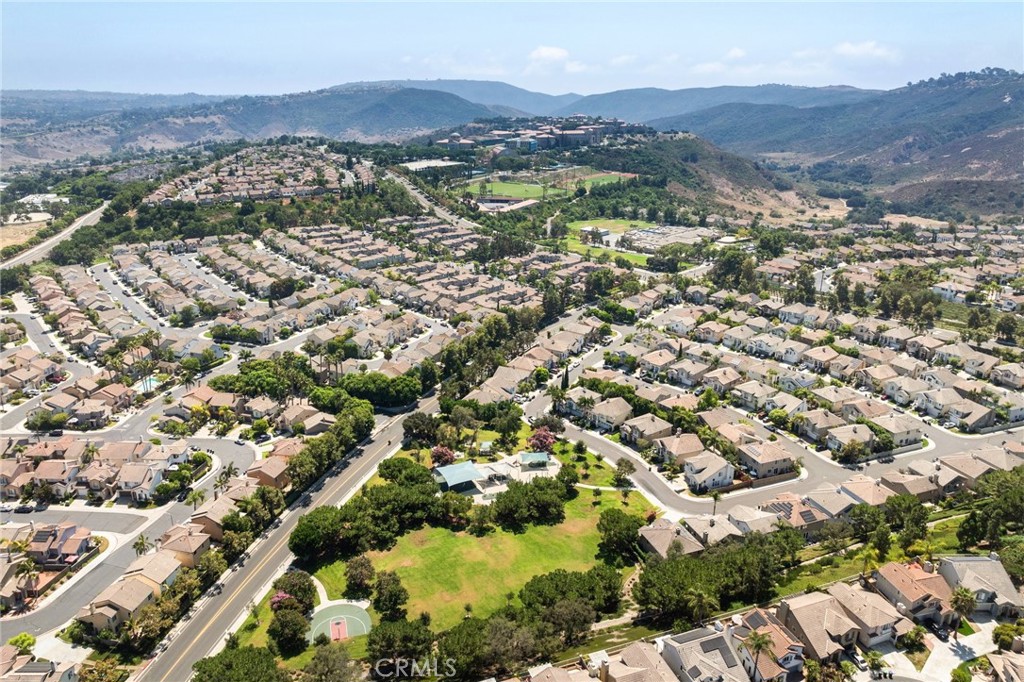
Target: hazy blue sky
x,y
270,48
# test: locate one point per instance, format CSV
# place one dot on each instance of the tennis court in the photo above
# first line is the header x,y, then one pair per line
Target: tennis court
x,y
339,622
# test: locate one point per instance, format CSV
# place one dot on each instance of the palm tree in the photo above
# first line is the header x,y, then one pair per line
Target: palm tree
x,y
27,571
196,498
756,642
15,546
869,559
141,545
586,405
701,603
715,497
963,603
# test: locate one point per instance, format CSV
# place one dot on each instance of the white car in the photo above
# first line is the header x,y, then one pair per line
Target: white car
x,y
6,507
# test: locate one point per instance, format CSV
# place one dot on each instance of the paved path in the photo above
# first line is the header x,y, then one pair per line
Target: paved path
x,y
41,251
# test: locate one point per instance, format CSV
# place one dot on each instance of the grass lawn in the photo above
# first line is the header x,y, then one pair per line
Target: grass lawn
x,y
605,179
965,628
444,570
919,657
599,472
255,634
516,189
576,246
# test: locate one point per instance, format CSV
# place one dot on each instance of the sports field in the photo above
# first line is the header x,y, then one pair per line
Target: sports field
x,y
519,190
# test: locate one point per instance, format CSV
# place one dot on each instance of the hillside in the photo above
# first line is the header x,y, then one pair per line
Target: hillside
x,y
953,127
367,114
490,93
646,104
49,107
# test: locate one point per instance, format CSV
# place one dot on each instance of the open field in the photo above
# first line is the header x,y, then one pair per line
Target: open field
x,y
519,190
445,570
12,235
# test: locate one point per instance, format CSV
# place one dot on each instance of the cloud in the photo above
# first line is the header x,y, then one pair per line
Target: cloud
x,y
573,66
622,60
869,49
546,53
736,53
708,67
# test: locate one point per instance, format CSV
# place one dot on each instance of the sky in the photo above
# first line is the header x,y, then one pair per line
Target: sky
x,y
272,48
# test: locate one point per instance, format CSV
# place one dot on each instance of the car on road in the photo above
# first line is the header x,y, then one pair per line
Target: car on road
x,y
6,507
23,509
57,432
239,441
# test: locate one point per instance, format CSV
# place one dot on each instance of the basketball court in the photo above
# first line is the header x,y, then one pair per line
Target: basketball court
x,y
339,622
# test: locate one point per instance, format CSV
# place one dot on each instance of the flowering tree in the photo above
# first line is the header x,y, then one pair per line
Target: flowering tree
x,y
542,440
280,600
441,455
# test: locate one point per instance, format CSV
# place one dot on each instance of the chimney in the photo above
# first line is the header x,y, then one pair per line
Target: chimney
x,y
928,567
712,521
92,608
705,537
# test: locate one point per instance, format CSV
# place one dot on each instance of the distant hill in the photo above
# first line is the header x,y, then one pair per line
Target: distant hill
x,y
645,104
963,126
367,114
490,93
58,106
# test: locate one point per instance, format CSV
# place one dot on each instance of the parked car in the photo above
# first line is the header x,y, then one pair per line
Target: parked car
x,y
940,631
6,507
23,509
858,660
262,438
57,432
239,441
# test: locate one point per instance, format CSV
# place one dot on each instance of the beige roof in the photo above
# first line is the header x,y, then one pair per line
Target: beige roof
x,y
818,619
914,583
869,609
661,533
158,567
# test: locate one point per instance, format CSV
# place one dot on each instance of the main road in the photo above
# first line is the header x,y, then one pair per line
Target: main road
x,y
41,251
213,619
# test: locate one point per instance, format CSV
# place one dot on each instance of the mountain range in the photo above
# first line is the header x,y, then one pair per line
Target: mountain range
x,y
962,126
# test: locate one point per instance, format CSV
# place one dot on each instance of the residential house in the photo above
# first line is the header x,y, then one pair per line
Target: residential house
x,y
821,623
708,471
841,436
876,619
711,529
722,380
916,589
921,487
158,570
186,542
646,427
117,604
765,459
678,448
791,509
612,414
707,653
663,537
831,501
786,655
271,472
987,578
753,394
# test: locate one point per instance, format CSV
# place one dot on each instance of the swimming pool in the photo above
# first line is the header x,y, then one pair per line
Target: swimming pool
x,y
146,385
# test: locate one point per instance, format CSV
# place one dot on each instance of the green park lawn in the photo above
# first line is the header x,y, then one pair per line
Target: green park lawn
x,y
444,570
597,472
516,189
576,246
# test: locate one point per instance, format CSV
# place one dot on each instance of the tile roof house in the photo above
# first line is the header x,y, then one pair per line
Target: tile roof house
x,y
661,535
986,577
917,589
186,541
679,447
821,623
158,570
797,513
877,619
647,427
786,654
116,605
706,653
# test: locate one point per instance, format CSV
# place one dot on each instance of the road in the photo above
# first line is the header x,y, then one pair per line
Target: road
x,y
214,617
41,251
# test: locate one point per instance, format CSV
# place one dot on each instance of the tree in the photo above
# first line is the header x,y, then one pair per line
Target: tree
x,y
27,572
419,426
881,540
757,643
393,640
623,470
914,639
105,670
619,532
700,603
211,566
441,455
330,663
389,596
963,602
196,497
960,675
865,518
359,574
242,664
300,585
141,545
1012,558
853,451
23,642
288,630
316,534
1006,327
908,517
542,440
1004,634
860,295
571,618
869,560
